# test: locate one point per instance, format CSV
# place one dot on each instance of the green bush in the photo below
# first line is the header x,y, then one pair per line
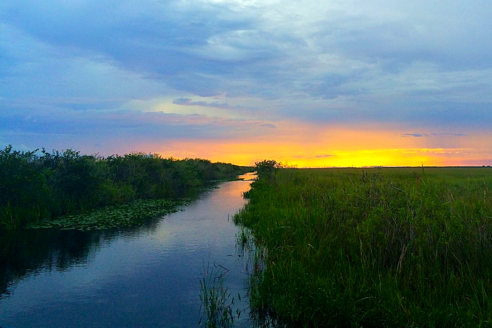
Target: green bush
x,y
23,188
267,168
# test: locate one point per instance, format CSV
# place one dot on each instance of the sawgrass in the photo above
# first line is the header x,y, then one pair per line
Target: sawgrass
x,y
391,247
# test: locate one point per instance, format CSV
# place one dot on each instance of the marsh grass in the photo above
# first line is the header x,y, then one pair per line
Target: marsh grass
x,y
374,247
216,302
219,308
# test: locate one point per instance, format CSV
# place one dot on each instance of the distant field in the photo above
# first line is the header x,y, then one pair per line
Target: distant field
x,y
390,247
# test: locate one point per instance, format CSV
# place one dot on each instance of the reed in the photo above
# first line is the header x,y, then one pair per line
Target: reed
x,y
406,247
216,302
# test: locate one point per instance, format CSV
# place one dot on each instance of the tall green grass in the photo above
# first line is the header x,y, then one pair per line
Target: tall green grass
x,y
216,301
375,247
39,185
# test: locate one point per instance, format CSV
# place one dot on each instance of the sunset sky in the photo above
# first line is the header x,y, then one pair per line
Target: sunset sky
x,y
305,82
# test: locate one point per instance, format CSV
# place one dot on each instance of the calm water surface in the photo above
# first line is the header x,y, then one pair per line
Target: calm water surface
x,y
143,277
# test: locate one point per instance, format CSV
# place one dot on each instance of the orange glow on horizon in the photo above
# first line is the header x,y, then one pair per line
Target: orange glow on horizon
x,y
248,154
335,146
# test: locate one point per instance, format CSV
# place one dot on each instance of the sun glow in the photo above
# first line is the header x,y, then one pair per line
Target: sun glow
x,y
315,145
249,153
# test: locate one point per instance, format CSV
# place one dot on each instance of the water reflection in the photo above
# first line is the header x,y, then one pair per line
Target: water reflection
x,y
250,176
31,251
141,277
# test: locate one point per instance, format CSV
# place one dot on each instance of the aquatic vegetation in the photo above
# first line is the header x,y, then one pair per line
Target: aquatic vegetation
x,y
391,247
216,302
133,214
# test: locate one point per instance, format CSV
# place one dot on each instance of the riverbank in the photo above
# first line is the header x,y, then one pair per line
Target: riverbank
x,y
406,247
39,186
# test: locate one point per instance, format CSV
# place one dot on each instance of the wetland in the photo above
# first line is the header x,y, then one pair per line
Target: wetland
x,y
139,276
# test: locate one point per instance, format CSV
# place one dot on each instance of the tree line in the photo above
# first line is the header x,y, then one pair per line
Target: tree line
x,y
37,185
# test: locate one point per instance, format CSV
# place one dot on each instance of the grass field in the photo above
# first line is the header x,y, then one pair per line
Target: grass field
x,y
390,247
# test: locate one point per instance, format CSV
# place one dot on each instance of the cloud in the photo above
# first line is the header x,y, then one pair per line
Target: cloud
x,y
416,135
312,157
268,49
429,135
98,125
182,101
215,104
421,65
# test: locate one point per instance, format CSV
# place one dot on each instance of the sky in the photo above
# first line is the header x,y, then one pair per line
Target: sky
x,y
308,83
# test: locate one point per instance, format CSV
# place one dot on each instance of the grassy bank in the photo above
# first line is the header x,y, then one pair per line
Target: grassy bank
x,y
36,186
374,247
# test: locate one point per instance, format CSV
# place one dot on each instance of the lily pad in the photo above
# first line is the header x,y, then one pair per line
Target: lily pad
x,y
133,214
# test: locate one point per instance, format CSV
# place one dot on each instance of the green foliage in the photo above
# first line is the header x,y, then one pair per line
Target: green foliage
x,y
39,187
22,188
266,169
374,248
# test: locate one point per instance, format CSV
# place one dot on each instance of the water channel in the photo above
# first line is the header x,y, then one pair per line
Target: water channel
x,y
141,277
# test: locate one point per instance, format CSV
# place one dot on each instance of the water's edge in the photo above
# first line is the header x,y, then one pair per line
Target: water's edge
x,y
133,277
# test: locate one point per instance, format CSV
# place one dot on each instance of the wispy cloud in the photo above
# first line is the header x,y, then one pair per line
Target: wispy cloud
x,y
416,135
215,104
427,135
312,157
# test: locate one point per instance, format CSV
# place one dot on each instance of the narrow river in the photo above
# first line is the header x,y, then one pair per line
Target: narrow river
x,y
142,277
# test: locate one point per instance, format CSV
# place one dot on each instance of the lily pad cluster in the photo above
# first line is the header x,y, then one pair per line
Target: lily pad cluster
x,y
133,214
